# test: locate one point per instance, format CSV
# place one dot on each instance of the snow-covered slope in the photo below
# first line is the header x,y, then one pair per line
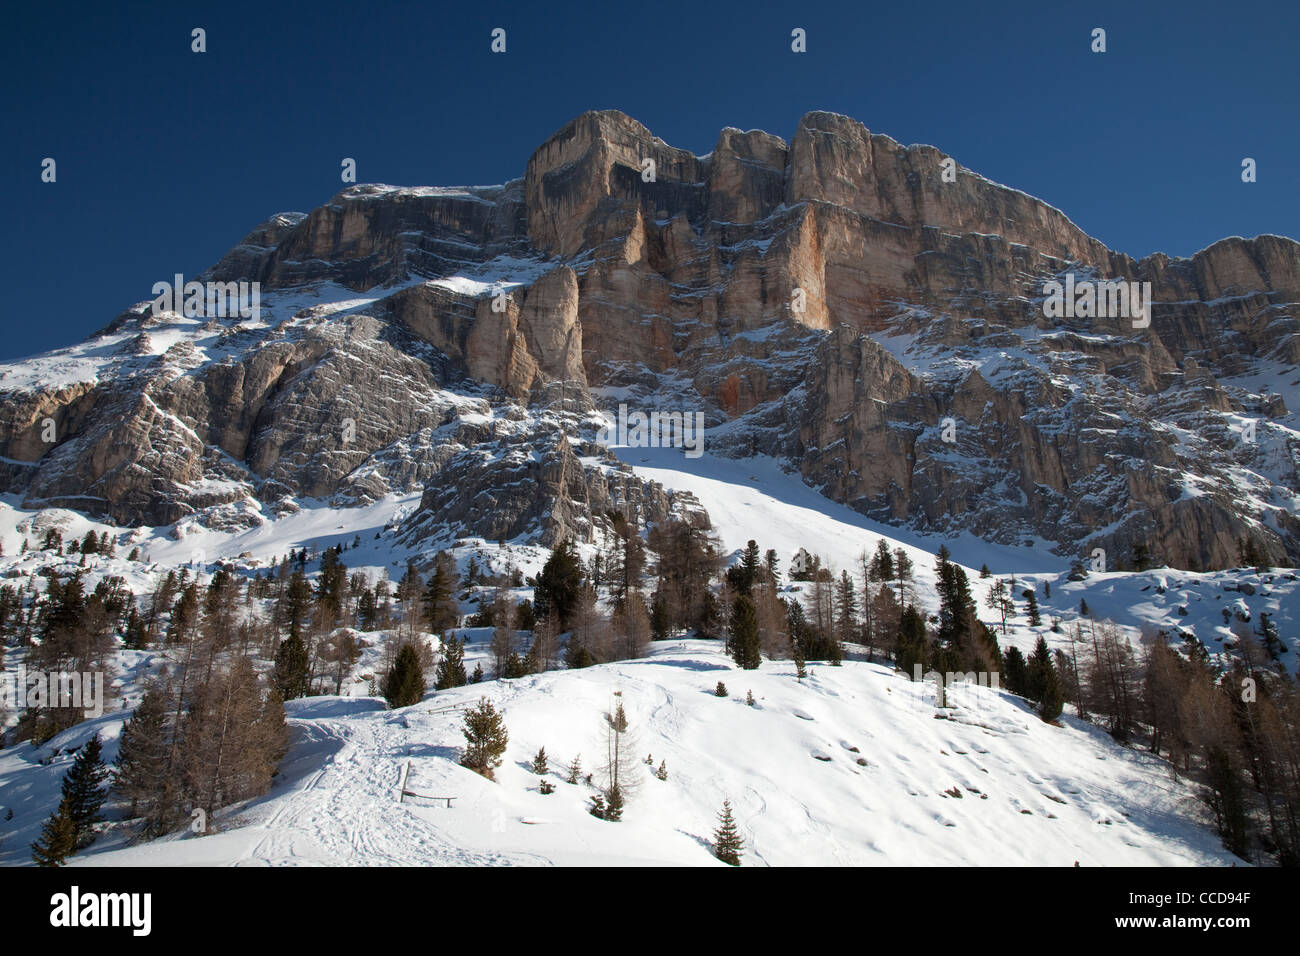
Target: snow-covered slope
x,y
848,767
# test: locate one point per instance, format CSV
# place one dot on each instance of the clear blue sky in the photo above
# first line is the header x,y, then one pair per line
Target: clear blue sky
x,y
167,158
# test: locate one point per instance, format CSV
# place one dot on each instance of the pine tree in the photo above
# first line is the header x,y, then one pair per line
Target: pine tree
x,y
575,769
1032,600
614,803
1015,672
58,838
477,676
749,698
292,677
720,690
404,683
1045,682
558,585
662,772
141,767
727,842
451,666
442,611
84,788
746,641
539,762
485,739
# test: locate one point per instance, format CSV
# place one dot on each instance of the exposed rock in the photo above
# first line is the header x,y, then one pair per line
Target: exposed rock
x,y
833,301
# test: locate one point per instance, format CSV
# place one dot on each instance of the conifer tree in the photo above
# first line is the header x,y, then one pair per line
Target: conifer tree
x,y
727,841
58,839
720,690
84,788
403,685
141,767
558,585
451,665
1031,599
614,803
292,677
1045,683
1015,672
485,739
539,762
575,769
442,611
746,641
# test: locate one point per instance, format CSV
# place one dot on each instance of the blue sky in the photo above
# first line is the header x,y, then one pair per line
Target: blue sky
x,y
166,158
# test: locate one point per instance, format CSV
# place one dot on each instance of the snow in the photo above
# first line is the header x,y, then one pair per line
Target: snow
x,y
848,767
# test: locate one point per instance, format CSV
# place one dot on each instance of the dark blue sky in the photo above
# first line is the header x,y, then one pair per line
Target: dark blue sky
x,y
167,158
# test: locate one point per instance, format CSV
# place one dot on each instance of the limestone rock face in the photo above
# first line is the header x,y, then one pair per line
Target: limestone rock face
x,y
837,301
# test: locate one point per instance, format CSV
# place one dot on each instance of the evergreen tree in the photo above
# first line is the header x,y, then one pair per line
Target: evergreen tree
x,y
539,762
441,609
140,775
796,653
773,565
292,678
1015,672
882,563
744,575
614,803
728,845
746,641
720,690
451,666
515,666
85,790
1032,601
558,585
404,683
1268,635
58,839
575,769
485,739
911,641
1045,682
660,620
902,573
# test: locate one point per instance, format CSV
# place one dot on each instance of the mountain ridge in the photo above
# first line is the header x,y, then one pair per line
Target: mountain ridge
x,y
680,293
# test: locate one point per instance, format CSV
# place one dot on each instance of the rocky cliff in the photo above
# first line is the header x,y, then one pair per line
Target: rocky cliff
x,y
836,301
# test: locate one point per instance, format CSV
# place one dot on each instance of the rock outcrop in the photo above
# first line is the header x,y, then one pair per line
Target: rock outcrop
x,y
835,300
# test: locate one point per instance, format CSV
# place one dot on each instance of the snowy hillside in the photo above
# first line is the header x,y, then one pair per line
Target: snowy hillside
x,y
849,766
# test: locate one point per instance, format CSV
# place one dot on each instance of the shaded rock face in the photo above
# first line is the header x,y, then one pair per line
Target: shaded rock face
x,y
834,300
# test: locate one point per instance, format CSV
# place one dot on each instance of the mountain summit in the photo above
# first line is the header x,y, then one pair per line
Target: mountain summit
x,y
868,313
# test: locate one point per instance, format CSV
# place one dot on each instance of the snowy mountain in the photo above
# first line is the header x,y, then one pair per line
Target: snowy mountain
x,y
837,302
430,432
849,767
